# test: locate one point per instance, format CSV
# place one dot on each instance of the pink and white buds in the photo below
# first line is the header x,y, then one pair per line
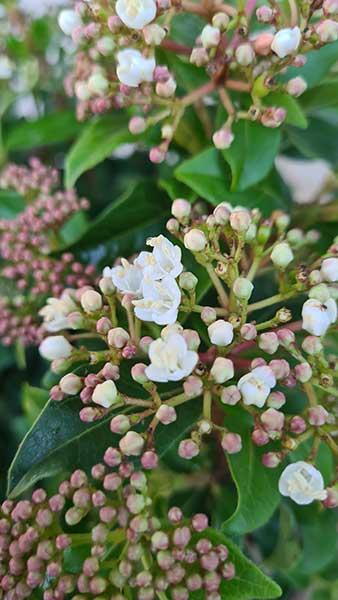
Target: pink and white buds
x,y
248,332
193,386
273,116
264,14
271,459
244,54
242,288
220,20
330,7
268,342
195,240
286,41
138,373
187,281
131,444
208,315
312,345
329,269
296,86
70,384
317,415
222,370
181,209
223,138
303,372
255,386
297,425
240,220
199,57
272,420
230,395
137,125
153,34
231,443
118,337
98,84
210,36
166,414
282,255
120,424
221,332
188,449
262,43
91,301
105,394
327,31
55,347
166,89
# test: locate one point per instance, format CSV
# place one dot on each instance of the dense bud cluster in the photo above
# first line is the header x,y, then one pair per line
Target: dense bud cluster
x,y
116,64
113,507
285,353
26,242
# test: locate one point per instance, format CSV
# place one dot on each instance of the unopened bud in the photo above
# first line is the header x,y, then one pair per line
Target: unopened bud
x,y
71,384
187,281
105,394
240,220
242,288
195,240
166,414
296,86
222,370
245,54
282,255
268,342
193,386
131,444
231,443
317,415
181,209
118,337
210,36
223,138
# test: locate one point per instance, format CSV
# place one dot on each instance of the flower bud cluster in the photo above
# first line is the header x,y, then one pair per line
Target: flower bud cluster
x,y
25,244
231,245
116,65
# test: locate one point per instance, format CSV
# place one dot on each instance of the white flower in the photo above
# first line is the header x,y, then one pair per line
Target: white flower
x,y
329,269
170,359
133,67
165,259
68,20
221,332
126,277
56,311
302,482
55,347
318,316
136,13
160,301
286,41
306,178
255,386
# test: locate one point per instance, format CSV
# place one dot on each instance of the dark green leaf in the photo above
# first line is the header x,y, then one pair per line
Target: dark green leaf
x,y
51,129
206,174
33,401
318,64
96,142
11,204
321,96
185,28
317,141
252,153
249,583
257,486
294,113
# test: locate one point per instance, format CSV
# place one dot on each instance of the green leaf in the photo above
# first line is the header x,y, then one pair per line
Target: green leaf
x,y
142,204
59,441
51,129
318,64
294,113
97,141
187,75
321,96
249,583
252,153
33,401
185,28
319,140
257,486
189,133
206,174
11,204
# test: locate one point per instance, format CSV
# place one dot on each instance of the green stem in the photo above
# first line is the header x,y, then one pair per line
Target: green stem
x,y
269,301
253,269
308,389
207,405
223,297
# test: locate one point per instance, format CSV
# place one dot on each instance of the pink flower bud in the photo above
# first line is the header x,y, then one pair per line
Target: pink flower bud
x,y
248,332
194,582
228,571
105,394
195,240
303,372
262,43
159,540
273,117
137,125
331,500
260,437
120,424
188,449
193,386
210,561
208,315
276,400
221,213
231,443
200,522
131,444
223,138
280,368
199,57
327,31
181,209
264,14
271,459
91,301
272,420
103,325
149,460
118,337
173,226
230,395
286,337
297,425
317,415
222,370
107,288
138,373
330,7
167,88
182,536
268,342
240,220
312,345
296,86
156,155
166,414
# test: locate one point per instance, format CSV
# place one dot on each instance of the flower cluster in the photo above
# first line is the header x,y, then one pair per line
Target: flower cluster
x,y
116,63
112,507
243,361
25,244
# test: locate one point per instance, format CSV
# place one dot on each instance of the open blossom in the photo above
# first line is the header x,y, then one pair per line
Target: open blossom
x,y
56,310
286,41
170,358
318,316
165,259
133,68
329,269
255,386
302,482
160,301
126,277
68,20
136,13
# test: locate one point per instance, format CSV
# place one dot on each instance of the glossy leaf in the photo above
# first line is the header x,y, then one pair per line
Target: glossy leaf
x,y
251,154
96,142
257,486
11,204
33,401
206,174
50,129
249,583
321,96
318,64
317,141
